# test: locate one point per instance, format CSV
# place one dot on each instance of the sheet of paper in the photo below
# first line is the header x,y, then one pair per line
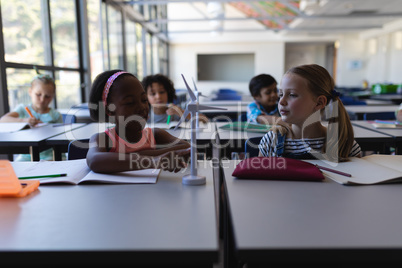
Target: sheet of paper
x,y
12,126
137,176
75,170
362,171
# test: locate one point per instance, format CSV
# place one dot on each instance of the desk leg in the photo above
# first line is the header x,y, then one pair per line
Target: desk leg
x,y
56,153
34,151
229,254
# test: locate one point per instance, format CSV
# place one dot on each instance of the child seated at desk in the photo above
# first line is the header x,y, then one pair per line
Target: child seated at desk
x,y
264,109
118,97
161,94
306,92
42,91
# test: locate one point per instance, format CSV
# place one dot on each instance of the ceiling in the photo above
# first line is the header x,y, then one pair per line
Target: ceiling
x,y
286,17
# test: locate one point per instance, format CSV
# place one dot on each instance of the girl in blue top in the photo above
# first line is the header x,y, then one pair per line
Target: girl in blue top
x,y
42,91
264,109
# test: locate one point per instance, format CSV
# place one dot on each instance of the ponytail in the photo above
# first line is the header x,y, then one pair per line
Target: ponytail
x,y
340,136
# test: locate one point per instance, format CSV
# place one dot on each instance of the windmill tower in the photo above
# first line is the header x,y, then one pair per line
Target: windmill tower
x,y
192,108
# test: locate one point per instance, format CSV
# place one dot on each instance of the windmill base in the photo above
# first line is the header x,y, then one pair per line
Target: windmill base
x,y
193,180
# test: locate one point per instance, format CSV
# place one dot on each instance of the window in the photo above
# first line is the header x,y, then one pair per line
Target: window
x,y
49,35
24,30
41,34
95,40
131,40
140,56
64,33
115,38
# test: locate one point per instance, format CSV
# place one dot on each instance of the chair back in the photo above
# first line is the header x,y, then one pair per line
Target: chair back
x,y
227,96
78,149
69,118
379,116
242,117
251,147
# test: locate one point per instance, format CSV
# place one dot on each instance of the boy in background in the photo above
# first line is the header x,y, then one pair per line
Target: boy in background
x,y
264,109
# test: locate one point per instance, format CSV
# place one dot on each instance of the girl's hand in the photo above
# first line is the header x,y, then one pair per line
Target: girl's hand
x,y
33,121
172,161
174,110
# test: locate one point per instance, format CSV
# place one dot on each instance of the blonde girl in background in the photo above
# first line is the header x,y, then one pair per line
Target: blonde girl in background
x,y
307,92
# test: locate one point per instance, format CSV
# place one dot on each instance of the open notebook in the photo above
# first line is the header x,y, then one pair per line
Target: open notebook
x,y
245,126
16,126
372,169
386,124
77,172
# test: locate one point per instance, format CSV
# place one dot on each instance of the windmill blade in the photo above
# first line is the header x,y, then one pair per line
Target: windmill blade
x,y
183,117
204,107
196,90
195,86
190,92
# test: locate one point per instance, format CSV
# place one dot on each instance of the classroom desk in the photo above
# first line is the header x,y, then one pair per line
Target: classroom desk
x,y
205,136
231,112
369,140
122,224
232,140
80,113
289,222
395,133
60,142
32,140
360,110
395,98
224,103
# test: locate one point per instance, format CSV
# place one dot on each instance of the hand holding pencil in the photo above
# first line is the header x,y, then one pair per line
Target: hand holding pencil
x,y
32,121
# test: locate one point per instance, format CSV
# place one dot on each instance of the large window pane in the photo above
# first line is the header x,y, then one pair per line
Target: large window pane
x,y
131,47
64,30
140,58
19,82
115,38
155,56
24,31
67,89
149,53
94,30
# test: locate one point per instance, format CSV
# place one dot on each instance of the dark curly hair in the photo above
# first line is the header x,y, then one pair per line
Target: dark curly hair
x,y
95,104
258,82
164,81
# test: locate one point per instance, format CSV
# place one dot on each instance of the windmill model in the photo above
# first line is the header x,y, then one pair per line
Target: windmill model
x,y
193,107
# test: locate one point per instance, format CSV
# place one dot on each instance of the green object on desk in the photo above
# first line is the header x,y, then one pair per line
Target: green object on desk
x,y
245,126
43,176
168,119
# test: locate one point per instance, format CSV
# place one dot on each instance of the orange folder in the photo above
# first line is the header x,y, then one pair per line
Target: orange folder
x,y
10,186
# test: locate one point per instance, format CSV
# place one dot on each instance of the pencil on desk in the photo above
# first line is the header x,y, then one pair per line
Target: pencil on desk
x,y
43,176
334,171
29,112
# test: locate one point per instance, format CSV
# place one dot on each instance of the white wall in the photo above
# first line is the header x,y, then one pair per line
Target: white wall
x,y
351,48
383,66
299,54
269,58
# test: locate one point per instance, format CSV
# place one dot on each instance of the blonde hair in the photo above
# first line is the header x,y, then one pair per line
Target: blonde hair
x,y
320,82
